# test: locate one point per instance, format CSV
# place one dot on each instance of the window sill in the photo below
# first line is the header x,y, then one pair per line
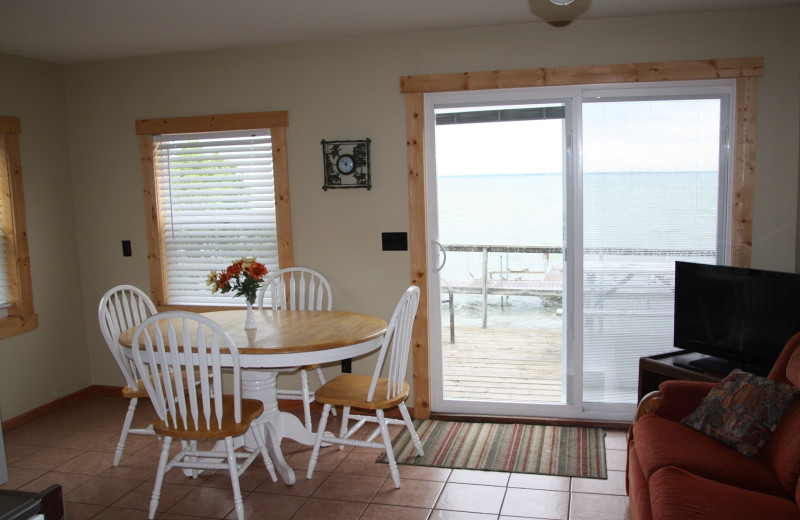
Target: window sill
x,y
13,325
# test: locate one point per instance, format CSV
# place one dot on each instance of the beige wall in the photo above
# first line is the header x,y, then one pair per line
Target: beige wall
x,y
349,89
38,366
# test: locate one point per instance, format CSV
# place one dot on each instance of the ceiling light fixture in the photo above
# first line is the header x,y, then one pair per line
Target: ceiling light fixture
x,y
562,2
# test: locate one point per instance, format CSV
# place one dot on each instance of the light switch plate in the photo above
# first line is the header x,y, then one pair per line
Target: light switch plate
x,y
395,241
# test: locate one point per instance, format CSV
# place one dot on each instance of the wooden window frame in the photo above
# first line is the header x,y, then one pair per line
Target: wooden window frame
x,y
21,314
147,128
744,70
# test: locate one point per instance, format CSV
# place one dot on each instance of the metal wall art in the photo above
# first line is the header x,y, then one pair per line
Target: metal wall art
x,y
346,164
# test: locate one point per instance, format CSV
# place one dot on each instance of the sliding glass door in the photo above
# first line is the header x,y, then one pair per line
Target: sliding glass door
x,y
653,193
599,191
499,234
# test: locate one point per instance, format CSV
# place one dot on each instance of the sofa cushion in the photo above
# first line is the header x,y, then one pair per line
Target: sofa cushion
x,y
742,410
793,368
676,494
680,398
783,448
780,368
661,443
637,488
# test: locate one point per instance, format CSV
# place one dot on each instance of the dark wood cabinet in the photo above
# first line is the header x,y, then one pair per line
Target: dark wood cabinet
x,y
653,370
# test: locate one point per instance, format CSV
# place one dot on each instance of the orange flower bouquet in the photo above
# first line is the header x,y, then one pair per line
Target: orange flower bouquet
x,y
243,277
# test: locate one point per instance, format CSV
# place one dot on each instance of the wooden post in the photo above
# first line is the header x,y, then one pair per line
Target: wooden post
x,y
485,284
418,238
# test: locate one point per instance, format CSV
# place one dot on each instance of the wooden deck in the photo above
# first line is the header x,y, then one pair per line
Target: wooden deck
x,y
503,365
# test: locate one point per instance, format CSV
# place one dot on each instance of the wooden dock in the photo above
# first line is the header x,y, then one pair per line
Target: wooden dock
x,y
518,365
509,287
551,285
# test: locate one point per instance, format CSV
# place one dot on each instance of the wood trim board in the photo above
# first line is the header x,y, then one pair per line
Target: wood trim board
x,y
744,70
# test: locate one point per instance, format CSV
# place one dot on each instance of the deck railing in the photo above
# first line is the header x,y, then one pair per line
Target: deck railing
x,y
551,282
486,285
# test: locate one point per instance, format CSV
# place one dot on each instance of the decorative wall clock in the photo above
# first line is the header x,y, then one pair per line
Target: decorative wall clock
x,y
346,164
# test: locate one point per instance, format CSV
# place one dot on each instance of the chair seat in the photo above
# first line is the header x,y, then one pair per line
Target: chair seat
x,y
299,288
251,409
139,392
121,308
352,389
202,411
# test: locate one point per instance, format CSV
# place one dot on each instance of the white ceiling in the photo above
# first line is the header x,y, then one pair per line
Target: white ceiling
x,y
72,31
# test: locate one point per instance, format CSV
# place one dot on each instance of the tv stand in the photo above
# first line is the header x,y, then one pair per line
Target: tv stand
x,y
680,364
688,366
714,364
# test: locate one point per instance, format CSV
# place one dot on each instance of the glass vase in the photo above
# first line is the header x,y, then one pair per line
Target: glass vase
x,y
250,321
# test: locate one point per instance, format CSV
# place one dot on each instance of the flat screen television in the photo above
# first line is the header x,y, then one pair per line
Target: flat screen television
x,y
739,318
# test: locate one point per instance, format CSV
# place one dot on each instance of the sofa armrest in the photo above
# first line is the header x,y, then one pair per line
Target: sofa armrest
x,y
680,398
650,403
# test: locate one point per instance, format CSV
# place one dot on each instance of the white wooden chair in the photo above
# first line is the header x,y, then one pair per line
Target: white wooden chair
x,y
201,414
122,308
299,288
374,393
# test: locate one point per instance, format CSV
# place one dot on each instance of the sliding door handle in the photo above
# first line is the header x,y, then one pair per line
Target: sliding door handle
x,y
444,256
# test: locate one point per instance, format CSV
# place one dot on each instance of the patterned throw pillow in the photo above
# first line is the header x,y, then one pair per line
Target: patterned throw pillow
x,y
742,411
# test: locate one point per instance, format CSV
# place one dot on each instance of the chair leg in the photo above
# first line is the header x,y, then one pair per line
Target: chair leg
x,y
323,422
387,444
306,400
411,429
192,447
322,381
345,420
258,433
232,467
125,427
162,464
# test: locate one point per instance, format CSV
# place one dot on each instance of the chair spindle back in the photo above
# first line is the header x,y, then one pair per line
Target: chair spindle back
x,y
398,337
297,288
162,356
121,308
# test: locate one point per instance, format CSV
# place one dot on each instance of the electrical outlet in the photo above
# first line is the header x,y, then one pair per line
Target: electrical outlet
x,y
126,248
347,366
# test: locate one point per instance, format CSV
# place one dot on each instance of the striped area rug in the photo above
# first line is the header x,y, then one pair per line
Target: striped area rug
x,y
520,448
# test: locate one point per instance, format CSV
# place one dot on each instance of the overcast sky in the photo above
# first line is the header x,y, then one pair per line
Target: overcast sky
x,y
668,135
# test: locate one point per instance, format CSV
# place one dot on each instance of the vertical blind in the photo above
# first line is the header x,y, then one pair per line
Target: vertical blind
x,y
216,204
651,186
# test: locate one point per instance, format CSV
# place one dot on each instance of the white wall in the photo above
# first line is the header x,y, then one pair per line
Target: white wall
x,y
38,366
349,89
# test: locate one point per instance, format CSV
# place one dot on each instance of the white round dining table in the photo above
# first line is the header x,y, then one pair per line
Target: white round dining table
x,y
282,341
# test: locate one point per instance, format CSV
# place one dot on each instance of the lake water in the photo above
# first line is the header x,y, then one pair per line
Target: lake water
x,y
621,210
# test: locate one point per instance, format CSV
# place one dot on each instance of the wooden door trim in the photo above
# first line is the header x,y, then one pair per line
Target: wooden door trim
x,y
744,70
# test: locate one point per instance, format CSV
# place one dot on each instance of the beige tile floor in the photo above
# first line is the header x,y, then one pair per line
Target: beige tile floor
x,y
74,447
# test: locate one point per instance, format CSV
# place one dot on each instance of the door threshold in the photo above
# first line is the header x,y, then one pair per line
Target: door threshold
x,y
550,421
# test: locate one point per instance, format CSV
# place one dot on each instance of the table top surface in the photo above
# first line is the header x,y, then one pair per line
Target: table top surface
x,y
282,332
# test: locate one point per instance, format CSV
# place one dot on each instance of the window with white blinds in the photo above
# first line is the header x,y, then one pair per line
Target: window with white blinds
x,y
216,204
653,192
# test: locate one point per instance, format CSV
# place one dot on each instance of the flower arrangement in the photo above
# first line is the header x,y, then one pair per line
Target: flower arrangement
x,y
243,276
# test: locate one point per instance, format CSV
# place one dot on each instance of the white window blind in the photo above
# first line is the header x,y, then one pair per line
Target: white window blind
x,y
216,204
651,190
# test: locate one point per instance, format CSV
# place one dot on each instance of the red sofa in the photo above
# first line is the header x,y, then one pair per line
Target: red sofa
x,y
677,473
